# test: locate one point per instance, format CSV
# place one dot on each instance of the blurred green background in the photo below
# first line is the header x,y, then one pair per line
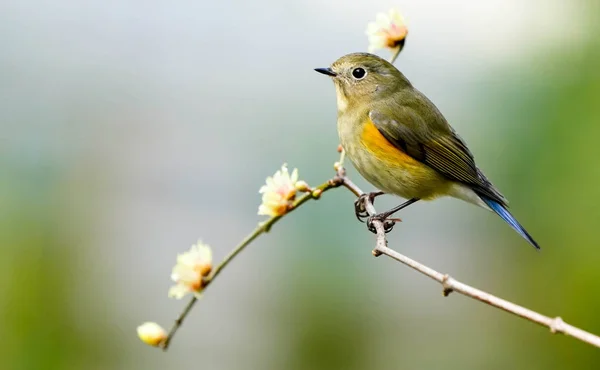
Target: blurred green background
x,y
128,129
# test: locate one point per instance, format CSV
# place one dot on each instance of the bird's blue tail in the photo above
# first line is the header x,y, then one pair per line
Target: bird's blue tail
x,y
506,216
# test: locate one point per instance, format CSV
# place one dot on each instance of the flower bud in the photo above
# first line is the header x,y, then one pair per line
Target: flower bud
x,y
151,333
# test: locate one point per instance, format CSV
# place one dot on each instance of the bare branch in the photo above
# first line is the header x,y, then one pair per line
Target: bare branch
x,y
449,284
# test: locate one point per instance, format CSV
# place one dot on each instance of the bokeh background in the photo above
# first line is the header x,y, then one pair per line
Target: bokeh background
x,y
129,129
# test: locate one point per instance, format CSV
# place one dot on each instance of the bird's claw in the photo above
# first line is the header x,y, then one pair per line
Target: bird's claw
x,y
359,208
359,205
388,224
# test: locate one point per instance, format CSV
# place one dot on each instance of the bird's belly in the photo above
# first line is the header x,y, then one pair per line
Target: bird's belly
x,y
392,170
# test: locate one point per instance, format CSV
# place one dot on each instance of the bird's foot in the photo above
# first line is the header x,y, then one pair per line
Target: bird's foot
x,y
388,223
359,208
359,205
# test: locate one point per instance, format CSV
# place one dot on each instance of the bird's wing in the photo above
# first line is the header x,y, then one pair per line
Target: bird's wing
x,y
435,144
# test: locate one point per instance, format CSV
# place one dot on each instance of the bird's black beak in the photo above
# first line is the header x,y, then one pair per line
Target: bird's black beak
x,y
326,71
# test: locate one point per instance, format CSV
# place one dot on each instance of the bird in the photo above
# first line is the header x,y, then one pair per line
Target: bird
x,y
400,142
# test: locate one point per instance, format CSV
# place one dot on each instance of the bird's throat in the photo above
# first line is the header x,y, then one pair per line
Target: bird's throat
x,y
342,101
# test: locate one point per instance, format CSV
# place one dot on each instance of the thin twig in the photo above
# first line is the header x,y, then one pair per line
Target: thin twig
x,y
263,227
396,51
449,284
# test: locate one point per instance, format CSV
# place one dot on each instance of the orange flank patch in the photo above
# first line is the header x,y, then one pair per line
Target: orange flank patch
x,y
381,148
397,172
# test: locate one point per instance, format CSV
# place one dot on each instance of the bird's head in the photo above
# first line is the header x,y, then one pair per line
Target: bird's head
x,y
362,77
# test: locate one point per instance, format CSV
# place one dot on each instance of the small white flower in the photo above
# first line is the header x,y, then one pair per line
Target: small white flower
x,y
192,266
151,333
278,193
388,31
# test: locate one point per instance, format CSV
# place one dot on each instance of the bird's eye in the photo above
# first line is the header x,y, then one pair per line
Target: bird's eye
x,y
359,73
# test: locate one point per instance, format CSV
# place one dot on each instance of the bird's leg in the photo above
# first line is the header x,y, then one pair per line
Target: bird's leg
x,y
388,224
359,206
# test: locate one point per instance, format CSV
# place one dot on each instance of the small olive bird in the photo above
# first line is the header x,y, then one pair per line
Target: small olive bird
x,y
400,142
